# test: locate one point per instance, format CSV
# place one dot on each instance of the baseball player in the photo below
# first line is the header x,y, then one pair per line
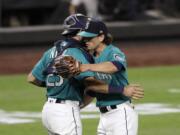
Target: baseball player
x,y
117,115
60,114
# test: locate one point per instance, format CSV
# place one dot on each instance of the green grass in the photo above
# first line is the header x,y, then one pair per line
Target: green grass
x,y
156,82
166,124
17,95
23,129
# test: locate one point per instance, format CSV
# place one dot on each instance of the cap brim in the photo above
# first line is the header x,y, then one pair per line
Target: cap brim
x,y
87,34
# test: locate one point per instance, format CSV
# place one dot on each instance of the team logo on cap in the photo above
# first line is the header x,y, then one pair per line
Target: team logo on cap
x,y
87,25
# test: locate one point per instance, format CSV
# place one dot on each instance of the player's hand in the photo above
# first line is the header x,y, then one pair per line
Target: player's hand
x,y
134,91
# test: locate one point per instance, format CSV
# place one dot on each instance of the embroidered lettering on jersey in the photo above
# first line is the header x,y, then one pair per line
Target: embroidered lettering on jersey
x,y
87,25
53,53
103,76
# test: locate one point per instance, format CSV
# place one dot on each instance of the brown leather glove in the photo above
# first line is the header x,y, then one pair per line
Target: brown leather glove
x,y
67,66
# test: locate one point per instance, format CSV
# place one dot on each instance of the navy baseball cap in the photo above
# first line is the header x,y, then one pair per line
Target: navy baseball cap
x,y
73,23
94,28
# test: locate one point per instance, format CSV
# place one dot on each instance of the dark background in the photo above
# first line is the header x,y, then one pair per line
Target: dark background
x,y
148,31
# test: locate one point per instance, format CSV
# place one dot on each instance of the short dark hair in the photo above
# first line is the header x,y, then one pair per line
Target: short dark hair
x,y
108,39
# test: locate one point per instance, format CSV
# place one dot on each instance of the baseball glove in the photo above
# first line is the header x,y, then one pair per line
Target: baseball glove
x,y
66,66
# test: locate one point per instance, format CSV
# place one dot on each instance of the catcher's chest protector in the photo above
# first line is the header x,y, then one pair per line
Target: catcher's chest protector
x,y
62,45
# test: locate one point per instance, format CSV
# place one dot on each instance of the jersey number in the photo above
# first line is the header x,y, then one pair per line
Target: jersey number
x,y
53,80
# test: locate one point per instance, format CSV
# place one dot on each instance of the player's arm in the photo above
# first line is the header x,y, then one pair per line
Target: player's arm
x,y
32,79
105,67
95,85
116,62
36,76
133,91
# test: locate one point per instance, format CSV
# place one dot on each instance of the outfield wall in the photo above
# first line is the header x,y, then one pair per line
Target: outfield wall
x,y
120,30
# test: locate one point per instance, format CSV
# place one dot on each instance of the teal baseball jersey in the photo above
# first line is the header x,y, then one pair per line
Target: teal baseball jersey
x,y
112,53
58,87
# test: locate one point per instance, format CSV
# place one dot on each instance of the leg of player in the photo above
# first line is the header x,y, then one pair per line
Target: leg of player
x,y
69,115
120,121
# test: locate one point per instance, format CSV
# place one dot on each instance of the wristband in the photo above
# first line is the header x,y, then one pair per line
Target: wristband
x,y
116,89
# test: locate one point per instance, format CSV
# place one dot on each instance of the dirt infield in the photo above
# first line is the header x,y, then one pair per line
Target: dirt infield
x,y
139,53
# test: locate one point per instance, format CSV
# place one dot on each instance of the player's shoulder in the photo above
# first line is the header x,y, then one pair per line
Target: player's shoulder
x,y
48,52
51,52
116,54
114,49
73,51
76,53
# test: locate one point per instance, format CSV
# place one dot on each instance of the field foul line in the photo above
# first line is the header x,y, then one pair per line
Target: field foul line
x,y
18,117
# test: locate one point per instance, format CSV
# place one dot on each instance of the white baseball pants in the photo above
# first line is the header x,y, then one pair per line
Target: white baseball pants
x,y
62,118
120,121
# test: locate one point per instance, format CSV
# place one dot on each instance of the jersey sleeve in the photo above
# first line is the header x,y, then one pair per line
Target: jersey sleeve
x,y
40,66
118,59
78,55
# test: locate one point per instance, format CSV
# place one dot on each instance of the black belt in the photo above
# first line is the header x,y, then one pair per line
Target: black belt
x,y
60,101
57,101
107,108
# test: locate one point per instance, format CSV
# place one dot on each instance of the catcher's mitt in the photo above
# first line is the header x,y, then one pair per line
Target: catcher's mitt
x,y
66,66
